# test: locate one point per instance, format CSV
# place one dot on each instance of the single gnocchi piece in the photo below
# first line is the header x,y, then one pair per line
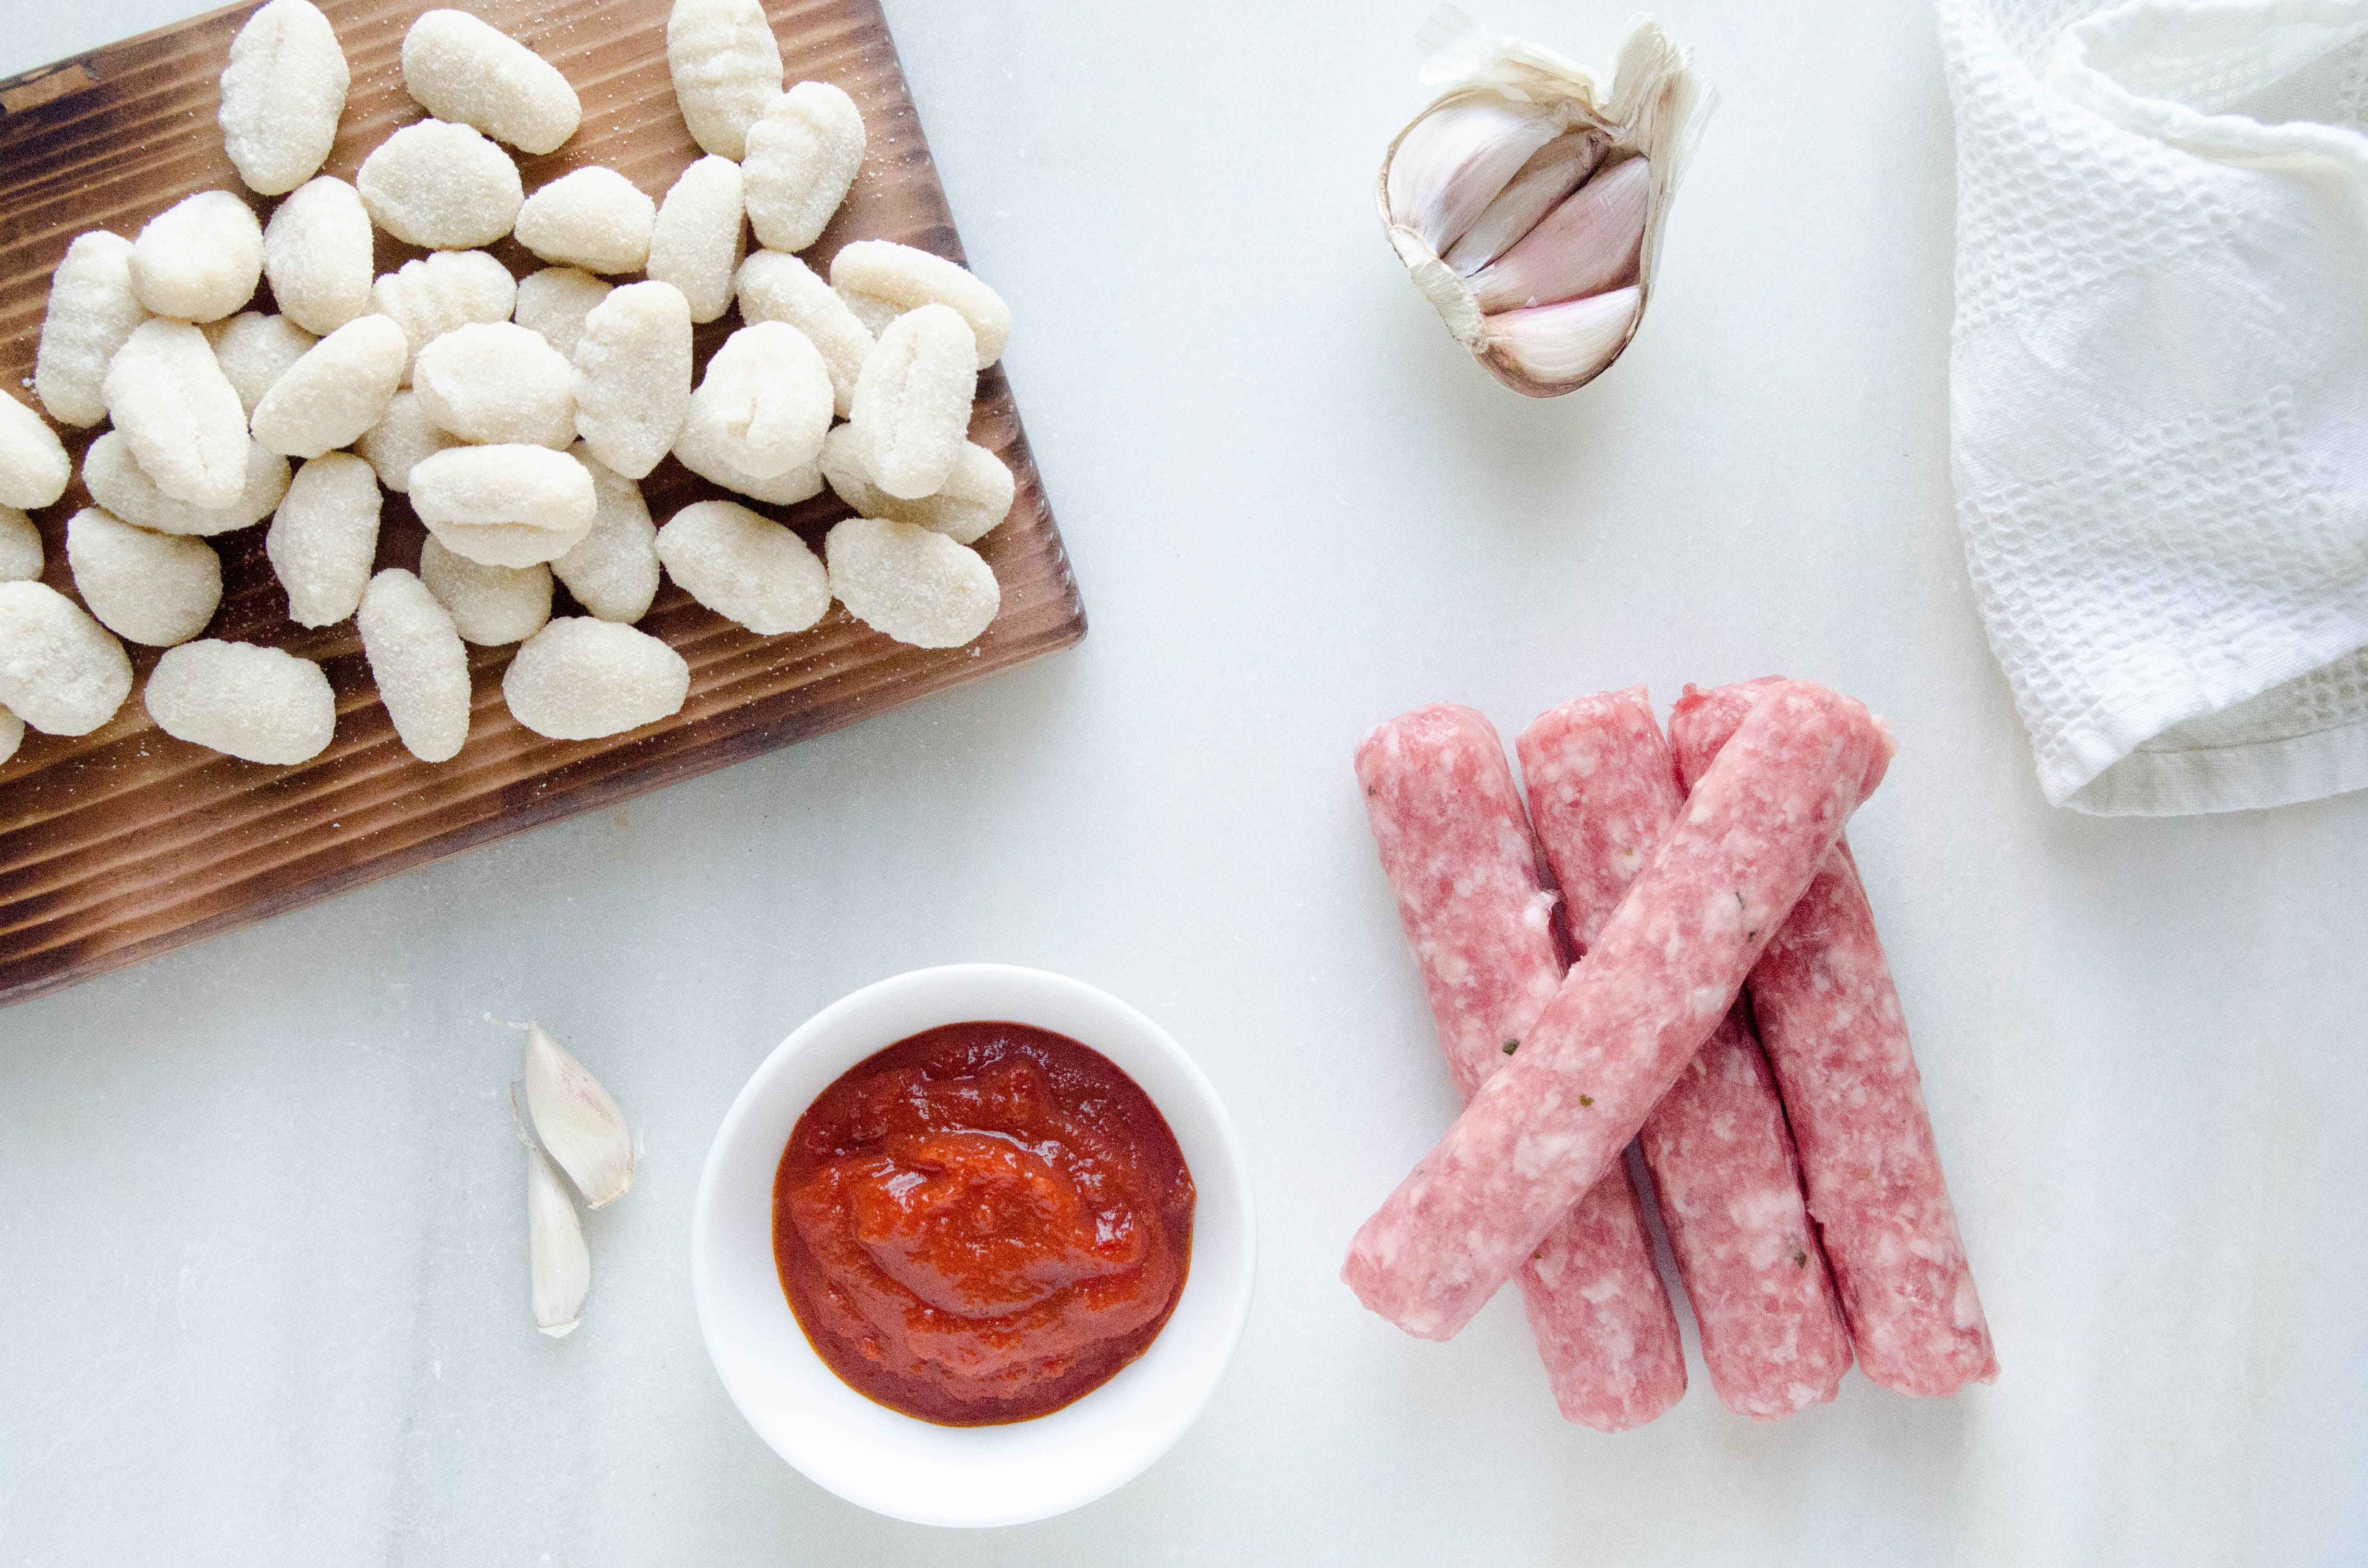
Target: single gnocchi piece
x,y
20,548
324,538
281,95
504,505
631,376
257,704
975,498
912,403
316,254
339,389
179,413
880,279
490,605
117,482
145,587
255,350
61,672
745,567
700,448
803,154
418,662
726,66
765,402
403,436
613,570
441,186
579,679
554,302
773,286
593,218
699,239
432,295
200,258
93,309
496,382
34,467
462,69
915,585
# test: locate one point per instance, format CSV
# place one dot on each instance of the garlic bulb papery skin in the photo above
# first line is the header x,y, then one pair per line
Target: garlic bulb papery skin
x,y
577,1121
561,1269
1527,186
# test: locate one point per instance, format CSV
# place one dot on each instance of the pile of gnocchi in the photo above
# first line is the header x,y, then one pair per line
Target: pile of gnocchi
x,y
518,415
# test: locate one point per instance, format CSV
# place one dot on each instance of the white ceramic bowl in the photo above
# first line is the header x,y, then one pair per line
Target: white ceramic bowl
x,y
913,1470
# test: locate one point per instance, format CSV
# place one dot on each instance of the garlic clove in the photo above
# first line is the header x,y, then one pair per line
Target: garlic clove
x,y
1552,172
1587,245
561,1269
1451,163
1557,346
577,1120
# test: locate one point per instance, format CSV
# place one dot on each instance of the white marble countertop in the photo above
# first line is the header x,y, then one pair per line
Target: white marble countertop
x,y
262,1264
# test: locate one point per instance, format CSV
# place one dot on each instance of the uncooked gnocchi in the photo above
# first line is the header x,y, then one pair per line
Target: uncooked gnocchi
x,y
339,389
697,241
975,498
773,286
554,302
726,66
880,279
257,704
913,584
34,467
117,482
430,297
179,413
490,605
255,350
155,588
281,95
495,382
745,567
803,153
324,538
441,186
61,672
20,548
504,505
462,69
613,570
200,258
92,309
765,402
595,218
418,661
578,679
316,254
913,401
631,376
403,436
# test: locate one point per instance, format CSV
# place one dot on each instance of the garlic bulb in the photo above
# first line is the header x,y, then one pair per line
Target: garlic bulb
x,y
1527,202
577,1120
561,1268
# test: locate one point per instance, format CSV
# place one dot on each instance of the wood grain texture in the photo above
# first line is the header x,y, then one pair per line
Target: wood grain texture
x,y
123,843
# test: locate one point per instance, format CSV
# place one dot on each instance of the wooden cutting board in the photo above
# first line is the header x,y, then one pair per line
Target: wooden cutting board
x,y
125,842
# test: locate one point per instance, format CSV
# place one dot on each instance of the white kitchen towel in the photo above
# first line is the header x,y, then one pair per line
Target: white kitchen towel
x,y
2158,389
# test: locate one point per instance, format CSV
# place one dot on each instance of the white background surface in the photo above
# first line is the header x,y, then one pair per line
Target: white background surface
x,y
262,1252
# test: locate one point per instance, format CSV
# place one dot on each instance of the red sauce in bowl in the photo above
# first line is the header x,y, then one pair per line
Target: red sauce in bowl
x,y
982,1223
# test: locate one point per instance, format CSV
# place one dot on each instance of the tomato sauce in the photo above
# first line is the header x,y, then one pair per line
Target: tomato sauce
x,y
982,1223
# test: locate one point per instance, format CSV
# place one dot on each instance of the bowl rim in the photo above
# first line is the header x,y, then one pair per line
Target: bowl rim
x,y
1050,1464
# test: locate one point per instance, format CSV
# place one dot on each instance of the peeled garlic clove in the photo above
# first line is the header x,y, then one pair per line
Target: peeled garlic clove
x,y
561,1269
1587,245
1450,163
1554,347
1552,172
577,1120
